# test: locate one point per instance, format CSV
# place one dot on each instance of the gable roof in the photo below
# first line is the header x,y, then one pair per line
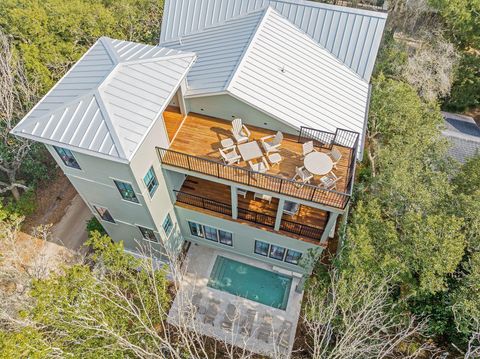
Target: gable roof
x,y
109,99
353,36
281,72
219,49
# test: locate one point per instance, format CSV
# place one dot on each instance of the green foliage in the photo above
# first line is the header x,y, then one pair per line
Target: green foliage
x,y
461,20
52,34
25,206
393,57
93,225
26,343
465,91
86,312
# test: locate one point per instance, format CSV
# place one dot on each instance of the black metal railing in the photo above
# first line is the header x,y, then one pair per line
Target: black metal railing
x,y
248,215
301,229
256,217
254,179
205,203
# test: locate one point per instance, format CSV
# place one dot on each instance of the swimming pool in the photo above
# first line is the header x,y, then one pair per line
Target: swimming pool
x,y
250,282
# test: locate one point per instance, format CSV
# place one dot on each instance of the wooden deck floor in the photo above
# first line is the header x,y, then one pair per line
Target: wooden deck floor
x,y
221,193
200,136
175,119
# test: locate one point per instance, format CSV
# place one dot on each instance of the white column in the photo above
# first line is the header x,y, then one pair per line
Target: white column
x,y
234,195
332,221
278,219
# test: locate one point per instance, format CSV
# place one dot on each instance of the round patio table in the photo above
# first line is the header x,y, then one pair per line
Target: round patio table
x,y
318,163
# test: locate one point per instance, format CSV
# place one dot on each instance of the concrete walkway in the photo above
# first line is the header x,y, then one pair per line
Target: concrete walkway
x,y
71,231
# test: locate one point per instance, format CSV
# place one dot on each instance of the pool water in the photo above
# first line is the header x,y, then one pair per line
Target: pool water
x,y
250,282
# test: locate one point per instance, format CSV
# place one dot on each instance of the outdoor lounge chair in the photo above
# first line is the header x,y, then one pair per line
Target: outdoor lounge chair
x,y
240,132
211,313
335,155
272,143
230,315
230,155
246,325
308,148
291,208
261,166
265,329
283,338
275,159
302,174
329,181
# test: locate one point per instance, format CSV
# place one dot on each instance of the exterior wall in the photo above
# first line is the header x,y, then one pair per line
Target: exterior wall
x,y
161,203
228,108
94,183
244,237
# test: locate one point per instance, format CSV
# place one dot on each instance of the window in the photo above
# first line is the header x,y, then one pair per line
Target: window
x,y
225,237
277,252
196,229
126,190
67,157
211,233
261,248
150,181
104,214
293,257
167,225
148,234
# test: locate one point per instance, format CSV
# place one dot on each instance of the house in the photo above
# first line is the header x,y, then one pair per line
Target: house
x,y
463,134
238,133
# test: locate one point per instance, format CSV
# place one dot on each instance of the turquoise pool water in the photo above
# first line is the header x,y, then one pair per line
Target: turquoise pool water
x,y
250,282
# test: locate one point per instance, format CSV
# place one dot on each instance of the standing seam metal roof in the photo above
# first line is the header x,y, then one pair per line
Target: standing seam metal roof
x,y
109,99
352,35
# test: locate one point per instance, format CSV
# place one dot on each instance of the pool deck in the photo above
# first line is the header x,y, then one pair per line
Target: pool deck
x,y
200,261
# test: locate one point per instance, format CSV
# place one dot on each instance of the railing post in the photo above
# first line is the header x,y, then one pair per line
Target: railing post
x,y
332,221
234,195
188,162
278,219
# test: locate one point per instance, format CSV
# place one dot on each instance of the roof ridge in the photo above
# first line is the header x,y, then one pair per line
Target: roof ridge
x,y
240,62
161,58
214,26
105,41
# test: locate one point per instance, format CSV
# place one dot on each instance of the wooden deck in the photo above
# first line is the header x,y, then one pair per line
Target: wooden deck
x,y
199,136
221,193
175,119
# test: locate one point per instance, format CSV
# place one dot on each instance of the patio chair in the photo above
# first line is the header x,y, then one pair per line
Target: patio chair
x,y
246,325
272,143
265,329
230,155
275,159
283,338
302,174
261,166
240,131
211,313
335,155
291,208
230,315
308,148
329,181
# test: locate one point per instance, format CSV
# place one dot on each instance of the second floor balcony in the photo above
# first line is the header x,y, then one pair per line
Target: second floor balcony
x,y
196,141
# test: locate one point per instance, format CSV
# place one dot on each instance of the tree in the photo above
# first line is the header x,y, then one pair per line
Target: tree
x,y
352,317
17,95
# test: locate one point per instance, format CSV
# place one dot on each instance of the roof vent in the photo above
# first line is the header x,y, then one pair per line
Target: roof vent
x,y
283,70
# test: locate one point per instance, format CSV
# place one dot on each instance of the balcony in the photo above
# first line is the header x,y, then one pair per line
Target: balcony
x,y
196,141
215,199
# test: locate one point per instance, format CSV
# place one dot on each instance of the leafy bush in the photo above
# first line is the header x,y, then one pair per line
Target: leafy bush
x,y
94,225
25,206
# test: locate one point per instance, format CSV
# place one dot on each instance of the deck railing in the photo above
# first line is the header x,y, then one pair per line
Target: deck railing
x,y
248,215
270,182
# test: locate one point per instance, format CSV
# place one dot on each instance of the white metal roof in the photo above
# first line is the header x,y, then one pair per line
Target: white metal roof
x,y
219,49
110,98
351,35
287,75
